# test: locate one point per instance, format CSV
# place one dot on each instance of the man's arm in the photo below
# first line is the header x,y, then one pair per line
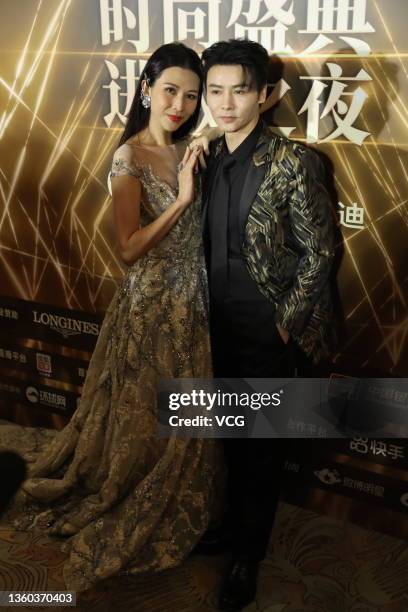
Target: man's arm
x,y
312,228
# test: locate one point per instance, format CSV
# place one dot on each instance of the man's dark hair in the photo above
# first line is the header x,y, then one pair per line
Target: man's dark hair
x,y
252,56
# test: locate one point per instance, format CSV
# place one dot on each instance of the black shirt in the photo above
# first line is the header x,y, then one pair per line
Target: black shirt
x,y
229,276
237,164
242,156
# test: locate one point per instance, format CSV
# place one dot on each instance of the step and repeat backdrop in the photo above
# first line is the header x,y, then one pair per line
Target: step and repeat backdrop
x,y
68,74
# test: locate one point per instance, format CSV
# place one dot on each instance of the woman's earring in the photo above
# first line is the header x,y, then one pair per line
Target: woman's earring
x,y
146,100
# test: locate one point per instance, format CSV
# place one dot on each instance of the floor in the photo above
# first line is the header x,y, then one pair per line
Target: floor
x,y
315,564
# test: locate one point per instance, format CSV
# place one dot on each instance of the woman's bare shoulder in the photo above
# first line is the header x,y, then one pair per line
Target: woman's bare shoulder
x,y
125,161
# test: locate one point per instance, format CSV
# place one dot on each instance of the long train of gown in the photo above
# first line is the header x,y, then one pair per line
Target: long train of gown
x,y
136,502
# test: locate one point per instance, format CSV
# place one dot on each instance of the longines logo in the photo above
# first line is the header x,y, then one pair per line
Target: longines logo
x,y
65,325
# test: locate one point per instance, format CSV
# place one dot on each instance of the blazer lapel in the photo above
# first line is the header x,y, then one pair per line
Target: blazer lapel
x,y
254,178
252,183
207,183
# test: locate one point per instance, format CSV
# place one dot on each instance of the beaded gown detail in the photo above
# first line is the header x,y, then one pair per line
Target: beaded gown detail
x,y
133,502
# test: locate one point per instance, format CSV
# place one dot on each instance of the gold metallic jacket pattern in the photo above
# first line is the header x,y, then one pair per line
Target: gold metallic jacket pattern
x,y
287,238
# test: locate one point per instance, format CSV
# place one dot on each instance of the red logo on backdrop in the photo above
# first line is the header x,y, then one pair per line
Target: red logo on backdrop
x,y
44,364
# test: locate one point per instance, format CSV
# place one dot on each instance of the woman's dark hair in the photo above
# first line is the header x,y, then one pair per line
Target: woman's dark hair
x,y
166,56
252,56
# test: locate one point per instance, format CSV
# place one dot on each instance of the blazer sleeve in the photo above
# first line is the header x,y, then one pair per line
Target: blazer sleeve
x,y
311,220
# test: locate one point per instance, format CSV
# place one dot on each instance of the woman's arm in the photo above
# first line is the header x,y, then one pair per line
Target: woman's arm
x,y
134,241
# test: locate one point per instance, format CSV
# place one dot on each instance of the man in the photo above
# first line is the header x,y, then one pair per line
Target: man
x,y
268,240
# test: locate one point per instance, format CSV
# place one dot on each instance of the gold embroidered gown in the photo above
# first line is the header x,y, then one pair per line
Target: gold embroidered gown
x,y
136,502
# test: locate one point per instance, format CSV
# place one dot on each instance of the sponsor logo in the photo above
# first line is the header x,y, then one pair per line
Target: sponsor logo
x,y
10,389
292,466
65,325
404,499
53,399
32,394
48,398
44,364
327,476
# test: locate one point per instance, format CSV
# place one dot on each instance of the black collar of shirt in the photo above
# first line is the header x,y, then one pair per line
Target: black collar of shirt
x,y
247,146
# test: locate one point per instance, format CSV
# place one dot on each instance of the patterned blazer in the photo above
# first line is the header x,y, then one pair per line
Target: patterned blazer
x,y
287,239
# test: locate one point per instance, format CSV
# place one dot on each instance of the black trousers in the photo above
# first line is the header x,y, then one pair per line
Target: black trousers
x,y
246,343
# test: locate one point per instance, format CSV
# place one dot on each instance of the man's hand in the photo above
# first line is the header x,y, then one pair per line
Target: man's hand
x,y
283,333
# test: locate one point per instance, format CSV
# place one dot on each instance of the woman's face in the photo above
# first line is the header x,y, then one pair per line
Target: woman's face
x,y
174,98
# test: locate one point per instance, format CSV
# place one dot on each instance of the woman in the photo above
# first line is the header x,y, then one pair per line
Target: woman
x,y
127,499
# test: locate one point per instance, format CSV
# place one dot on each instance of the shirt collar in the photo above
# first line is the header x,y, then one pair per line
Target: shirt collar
x,y
247,146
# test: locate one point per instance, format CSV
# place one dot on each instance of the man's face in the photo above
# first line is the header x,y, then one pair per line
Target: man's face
x,y
233,102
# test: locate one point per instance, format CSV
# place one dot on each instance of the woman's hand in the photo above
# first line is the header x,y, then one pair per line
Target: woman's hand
x,y
186,171
203,140
135,241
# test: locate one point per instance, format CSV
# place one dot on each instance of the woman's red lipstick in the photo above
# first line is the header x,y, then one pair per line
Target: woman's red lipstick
x,y
174,118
